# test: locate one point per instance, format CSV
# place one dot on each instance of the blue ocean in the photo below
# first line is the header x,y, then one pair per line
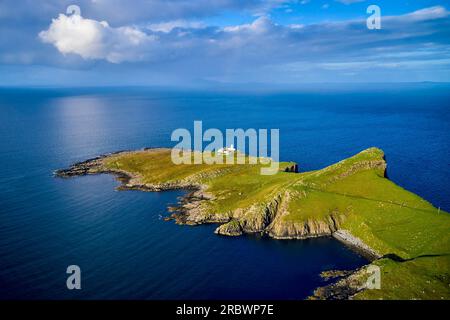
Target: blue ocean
x,y
118,238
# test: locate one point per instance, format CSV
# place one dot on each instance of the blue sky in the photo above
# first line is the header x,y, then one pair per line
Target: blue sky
x,y
203,42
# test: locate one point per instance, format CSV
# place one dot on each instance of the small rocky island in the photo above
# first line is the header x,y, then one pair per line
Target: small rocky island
x,y
352,200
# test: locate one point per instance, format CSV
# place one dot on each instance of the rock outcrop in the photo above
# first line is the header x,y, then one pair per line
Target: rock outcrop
x,y
301,230
232,228
350,283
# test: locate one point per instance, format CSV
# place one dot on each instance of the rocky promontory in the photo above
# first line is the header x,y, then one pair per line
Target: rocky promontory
x,y
352,200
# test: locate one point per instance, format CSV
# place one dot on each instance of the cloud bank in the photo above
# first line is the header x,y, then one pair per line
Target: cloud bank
x,y
176,42
260,42
93,39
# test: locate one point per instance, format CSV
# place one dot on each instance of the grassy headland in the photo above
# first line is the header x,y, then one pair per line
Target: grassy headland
x,y
353,200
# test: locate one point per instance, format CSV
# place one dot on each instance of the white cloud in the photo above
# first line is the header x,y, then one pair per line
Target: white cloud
x,y
190,48
170,25
260,25
431,13
93,39
296,26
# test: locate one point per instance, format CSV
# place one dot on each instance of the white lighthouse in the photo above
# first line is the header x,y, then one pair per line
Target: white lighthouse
x,y
227,150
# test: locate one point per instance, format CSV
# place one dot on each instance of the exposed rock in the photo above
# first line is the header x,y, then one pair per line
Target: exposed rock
x,y
345,288
332,274
258,217
356,243
302,230
280,228
293,168
232,228
90,166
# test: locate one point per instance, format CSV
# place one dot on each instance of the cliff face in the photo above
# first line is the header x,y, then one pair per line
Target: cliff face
x,y
310,228
351,197
232,228
252,220
270,219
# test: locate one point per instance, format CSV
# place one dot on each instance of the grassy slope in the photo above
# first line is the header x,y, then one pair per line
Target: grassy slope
x,y
420,278
233,186
385,216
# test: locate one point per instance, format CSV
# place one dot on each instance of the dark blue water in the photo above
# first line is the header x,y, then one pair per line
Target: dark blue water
x,y
118,239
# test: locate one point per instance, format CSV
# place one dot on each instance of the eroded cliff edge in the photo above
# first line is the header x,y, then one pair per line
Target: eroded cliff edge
x,y
351,200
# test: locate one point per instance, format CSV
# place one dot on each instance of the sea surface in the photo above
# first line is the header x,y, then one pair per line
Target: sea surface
x,y
118,238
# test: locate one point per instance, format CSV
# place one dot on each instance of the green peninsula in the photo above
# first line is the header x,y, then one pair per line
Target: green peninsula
x,y
352,200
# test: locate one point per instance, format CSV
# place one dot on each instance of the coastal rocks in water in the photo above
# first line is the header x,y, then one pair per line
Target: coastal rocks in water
x,y
197,216
232,228
344,289
192,212
243,220
332,274
91,166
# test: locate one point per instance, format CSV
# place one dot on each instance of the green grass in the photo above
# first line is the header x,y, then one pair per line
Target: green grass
x,y
388,218
234,186
421,278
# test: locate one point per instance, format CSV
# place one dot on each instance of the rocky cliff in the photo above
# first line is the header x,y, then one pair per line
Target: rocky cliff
x,y
351,197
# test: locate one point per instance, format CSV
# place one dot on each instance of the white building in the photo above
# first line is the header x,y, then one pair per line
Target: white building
x,y
226,150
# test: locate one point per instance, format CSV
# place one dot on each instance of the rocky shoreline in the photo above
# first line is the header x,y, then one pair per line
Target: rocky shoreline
x,y
270,223
356,244
236,223
345,286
